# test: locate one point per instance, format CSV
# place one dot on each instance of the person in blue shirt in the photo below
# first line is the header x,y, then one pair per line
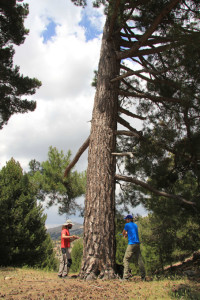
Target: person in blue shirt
x,y
133,248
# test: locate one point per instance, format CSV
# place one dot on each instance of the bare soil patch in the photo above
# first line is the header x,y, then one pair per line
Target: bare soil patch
x,y
34,284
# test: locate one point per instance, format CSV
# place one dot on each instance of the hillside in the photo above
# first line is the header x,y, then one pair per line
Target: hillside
x,y
55,232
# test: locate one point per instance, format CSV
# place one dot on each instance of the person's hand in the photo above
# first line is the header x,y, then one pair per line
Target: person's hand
x,y
125,234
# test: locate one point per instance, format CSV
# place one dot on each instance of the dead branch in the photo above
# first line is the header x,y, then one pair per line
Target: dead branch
x,y
157,38
149,32
127,125
149,42
123,154
137,73
146,70
125,132
151,189
130,86
77,156
150,97
149,51
130,73
128,113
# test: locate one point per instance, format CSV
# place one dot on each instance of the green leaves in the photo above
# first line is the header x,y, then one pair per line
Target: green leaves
x,y
13,85
23,233
48,178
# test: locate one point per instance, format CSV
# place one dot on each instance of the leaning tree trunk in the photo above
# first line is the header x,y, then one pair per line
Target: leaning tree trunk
x,y
99,220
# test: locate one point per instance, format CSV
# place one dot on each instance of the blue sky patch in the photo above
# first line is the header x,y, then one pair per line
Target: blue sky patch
x,y
91,31
49,32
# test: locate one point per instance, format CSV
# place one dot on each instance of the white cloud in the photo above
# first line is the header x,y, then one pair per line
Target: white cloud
x,y
65,65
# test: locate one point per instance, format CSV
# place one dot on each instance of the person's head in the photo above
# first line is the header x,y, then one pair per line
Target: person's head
x,y
68,224
128,218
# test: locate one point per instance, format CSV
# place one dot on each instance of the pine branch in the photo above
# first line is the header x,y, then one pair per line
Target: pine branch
x,y
150,97
149,51
127,125
151,189
137,73
150,42
148,33
128,113
146,70
77,156
123,154
130,87
124,132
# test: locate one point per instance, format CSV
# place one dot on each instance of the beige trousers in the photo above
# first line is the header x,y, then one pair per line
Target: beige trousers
x,y
133,251
63,268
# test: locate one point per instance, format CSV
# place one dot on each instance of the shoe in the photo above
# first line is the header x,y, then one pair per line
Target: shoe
x,y
59,276
143,278
64,276
124,279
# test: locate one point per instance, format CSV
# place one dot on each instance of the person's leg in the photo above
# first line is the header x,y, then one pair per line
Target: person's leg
x,y
62,265
64,273
127,257
67,262
140,262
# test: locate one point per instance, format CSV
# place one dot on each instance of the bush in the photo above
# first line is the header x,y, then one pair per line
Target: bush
x,y
76,254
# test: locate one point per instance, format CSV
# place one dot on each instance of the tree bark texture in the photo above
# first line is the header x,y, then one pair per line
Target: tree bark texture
x,y
99,219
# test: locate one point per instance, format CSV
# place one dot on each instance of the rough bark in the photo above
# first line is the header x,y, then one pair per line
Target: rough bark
x,y
99,219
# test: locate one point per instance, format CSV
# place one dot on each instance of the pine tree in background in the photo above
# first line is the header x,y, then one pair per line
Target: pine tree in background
x,y
13,85
24,240
47,178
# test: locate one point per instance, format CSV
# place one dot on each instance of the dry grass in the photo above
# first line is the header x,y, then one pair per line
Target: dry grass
x,y
30,284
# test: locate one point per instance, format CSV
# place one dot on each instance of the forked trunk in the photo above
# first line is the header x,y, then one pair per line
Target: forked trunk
x,y
99,221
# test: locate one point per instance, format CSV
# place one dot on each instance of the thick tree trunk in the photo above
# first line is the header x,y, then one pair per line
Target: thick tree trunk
x,y
99,221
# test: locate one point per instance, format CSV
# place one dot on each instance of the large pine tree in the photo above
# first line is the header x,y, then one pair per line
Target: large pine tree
x,y
141,42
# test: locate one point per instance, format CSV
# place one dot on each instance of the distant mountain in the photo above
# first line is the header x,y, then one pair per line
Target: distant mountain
x,y
55,232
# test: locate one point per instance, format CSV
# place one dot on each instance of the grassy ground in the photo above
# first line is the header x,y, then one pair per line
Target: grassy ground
x,y
35,284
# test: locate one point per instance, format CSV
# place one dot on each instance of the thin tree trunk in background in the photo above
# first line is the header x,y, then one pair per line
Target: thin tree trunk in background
x,y
99,219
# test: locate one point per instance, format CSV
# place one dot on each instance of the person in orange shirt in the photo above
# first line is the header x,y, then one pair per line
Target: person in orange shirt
x,y
66,238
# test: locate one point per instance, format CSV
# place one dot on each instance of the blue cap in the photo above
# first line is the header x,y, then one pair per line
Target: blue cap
x,y
128,217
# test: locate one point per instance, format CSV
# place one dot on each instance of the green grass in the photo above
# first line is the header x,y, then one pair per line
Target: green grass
x,y
26,283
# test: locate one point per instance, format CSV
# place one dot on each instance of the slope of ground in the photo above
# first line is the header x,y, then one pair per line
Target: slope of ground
x,y
33,284
190,267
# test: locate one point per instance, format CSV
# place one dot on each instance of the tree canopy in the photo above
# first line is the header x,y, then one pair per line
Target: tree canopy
x,y
13,86
168,153
47,178
24,240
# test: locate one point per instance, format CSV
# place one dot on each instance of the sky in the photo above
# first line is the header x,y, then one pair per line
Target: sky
x,y
62,51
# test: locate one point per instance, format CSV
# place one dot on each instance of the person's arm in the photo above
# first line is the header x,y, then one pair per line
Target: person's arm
x,y
72,237
124,232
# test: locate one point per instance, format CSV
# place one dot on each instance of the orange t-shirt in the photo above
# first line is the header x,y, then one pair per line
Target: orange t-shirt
x,y
65,243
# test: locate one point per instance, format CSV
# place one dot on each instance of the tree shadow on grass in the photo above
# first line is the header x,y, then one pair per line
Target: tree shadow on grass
x,y
7,269
184,291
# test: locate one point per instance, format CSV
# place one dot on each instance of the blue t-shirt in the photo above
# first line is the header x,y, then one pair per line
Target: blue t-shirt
x,y
132,231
